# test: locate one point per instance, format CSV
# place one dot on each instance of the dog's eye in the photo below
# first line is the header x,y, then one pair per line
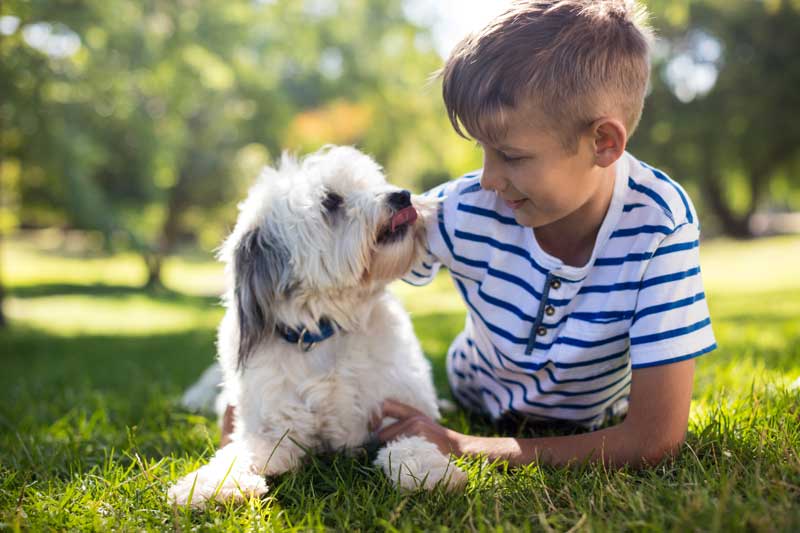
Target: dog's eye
x,y
332,201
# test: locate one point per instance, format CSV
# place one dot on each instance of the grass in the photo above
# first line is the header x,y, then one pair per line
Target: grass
x,y
91,434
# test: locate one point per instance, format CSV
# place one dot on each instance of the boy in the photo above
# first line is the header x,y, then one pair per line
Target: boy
x,y
578,264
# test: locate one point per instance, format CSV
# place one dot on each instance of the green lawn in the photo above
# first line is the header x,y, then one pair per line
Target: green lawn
x,y
91,433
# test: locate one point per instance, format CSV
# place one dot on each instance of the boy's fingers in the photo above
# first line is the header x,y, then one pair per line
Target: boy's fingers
x,y
397,429
227,426
400,411
374,420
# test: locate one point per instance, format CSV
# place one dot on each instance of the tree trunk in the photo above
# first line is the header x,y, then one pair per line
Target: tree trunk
x,y
177,203
169,233
153,262
733,225
3,322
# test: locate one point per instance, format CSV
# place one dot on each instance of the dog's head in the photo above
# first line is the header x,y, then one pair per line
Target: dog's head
x,y
318,238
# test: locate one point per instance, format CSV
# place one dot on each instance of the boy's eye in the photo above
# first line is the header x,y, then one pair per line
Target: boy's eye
x,y
510,159
504,156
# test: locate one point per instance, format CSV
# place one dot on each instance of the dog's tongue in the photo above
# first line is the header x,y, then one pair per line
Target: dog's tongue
x,y
407,215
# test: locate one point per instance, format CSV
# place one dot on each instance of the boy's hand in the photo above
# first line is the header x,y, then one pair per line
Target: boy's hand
x,y
227,426
654,428
411,421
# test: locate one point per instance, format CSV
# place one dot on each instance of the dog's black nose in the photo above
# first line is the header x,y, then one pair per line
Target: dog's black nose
x,y
400,199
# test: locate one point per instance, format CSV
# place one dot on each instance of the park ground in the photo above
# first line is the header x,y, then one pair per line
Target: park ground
x,y
91,433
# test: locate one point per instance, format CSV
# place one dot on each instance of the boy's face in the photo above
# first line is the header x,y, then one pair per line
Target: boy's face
x,y
532,172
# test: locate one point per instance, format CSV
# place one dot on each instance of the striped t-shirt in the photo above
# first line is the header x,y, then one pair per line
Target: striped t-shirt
x,y
554,341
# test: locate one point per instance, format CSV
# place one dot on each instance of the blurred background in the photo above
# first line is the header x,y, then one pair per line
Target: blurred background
x,y
129,130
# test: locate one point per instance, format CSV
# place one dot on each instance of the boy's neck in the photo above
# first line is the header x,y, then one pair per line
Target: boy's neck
x,y
573,237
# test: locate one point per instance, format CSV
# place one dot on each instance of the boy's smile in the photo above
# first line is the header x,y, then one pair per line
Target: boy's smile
x,y
563,195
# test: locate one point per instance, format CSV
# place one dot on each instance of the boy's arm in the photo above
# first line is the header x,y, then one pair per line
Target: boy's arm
x,y
655,427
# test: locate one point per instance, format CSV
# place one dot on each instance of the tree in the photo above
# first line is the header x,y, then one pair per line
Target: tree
x,y
724,102
140,119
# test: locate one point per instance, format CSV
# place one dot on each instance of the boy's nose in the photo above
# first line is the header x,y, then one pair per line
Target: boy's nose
x,y
491,179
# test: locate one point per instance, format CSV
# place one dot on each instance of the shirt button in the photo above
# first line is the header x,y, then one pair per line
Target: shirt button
x,y
555,284
541,331
549,310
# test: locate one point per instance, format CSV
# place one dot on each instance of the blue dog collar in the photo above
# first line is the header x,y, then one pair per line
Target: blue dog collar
x,y
305,339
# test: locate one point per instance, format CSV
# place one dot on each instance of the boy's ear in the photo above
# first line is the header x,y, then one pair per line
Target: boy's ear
x,y
610,138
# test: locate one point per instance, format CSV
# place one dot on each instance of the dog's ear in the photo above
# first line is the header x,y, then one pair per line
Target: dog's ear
x,y
260,274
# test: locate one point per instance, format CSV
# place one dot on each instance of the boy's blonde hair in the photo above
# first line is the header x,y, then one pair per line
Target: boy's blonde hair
x,y
569,60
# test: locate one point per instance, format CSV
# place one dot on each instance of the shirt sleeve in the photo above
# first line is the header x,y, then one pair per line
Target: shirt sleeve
x,y
671,322
425,269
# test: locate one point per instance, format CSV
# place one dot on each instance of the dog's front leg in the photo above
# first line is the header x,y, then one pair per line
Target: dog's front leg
x,y
237,471
231,474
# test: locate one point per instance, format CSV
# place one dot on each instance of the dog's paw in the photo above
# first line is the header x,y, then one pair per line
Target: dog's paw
x,y
414,462
201,486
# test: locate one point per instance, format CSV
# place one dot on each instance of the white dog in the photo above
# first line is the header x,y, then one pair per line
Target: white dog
x,y
312,342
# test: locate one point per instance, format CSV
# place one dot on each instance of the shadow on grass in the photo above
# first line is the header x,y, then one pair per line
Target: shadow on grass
x,y
83,245
136,381
102,290
127,365
84,396
133,380
101,388
114,363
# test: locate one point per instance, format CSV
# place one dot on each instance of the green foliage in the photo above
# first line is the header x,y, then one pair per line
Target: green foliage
x,y
158,117
148,120
91,434
733,140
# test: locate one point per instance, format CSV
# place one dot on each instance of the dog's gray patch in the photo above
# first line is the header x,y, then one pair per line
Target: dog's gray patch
x,y
261,266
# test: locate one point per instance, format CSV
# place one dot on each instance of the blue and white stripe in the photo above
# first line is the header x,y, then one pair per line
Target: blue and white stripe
x,y
638,302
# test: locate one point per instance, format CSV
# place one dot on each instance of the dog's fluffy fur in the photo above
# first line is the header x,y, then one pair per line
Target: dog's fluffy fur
x,y
313,242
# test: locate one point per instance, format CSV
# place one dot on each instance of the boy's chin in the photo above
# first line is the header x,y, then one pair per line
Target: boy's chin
x,y
531,220
530,217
